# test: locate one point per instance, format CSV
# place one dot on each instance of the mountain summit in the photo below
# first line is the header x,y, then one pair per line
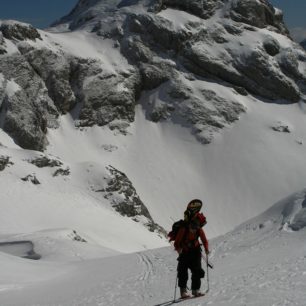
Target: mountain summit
x,y
177,48
258,13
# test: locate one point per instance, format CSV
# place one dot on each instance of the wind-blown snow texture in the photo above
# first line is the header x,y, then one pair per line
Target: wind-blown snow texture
x,y
121,113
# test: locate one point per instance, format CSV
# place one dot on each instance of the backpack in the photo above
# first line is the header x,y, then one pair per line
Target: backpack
x,y
198,217
175,228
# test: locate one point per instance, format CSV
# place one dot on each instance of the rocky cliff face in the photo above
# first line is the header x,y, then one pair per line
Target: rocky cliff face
x,y
303,44
124,198
175,49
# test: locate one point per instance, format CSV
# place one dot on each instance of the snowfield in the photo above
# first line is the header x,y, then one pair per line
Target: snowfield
x,y
246,169
80,238
259,263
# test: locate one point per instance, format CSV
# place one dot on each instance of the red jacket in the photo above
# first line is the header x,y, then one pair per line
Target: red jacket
x,y
186,239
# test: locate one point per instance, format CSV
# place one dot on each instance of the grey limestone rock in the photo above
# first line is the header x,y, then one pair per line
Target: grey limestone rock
x,y
258,14
204,63
62,172
288,61
161,57
124,198
254,71
109,97
159,30
4,162
76,237
31,178
218,34
281,127
204,9
204,114
241,90
2,45
211,116
264,79
233,29
161,112
134,49
19,31
153,76
53,83
271,46
1,39
29,110
45,161
54,69
299,221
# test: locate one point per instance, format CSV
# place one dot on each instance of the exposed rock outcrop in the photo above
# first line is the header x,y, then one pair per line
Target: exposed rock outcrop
x,y
45,161
54,69
62,172
26,106
2,45
258,14
281,127
203,9
4,162
271,46
124,198
19,31
31,178
175,57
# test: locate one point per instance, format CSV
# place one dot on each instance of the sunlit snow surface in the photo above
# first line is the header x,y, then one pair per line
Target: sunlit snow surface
x,y
259,263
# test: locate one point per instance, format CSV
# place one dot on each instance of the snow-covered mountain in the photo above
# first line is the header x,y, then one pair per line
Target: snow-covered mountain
x,y
114,118
120,51
142,85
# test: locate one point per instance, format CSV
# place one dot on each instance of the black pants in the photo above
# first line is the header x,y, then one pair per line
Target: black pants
x,y
190,260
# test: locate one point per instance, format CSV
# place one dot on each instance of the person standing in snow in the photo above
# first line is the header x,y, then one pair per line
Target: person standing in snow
x,y
189,249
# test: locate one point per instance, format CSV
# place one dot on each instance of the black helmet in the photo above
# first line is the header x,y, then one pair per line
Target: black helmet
x,y
194,206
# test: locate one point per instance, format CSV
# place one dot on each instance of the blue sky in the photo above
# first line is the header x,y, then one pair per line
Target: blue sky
x,y
294,11
42,13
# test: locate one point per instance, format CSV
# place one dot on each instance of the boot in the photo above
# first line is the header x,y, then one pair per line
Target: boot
x,y
197,293
184,293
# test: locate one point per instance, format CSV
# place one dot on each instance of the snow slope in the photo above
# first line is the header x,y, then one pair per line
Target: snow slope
x,y
259,263
248,167
237,176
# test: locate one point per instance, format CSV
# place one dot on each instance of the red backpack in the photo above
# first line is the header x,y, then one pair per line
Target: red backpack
x,y
198,218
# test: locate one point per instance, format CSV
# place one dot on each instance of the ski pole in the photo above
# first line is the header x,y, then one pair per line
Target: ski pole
x,y
207,272
210,265
174,298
